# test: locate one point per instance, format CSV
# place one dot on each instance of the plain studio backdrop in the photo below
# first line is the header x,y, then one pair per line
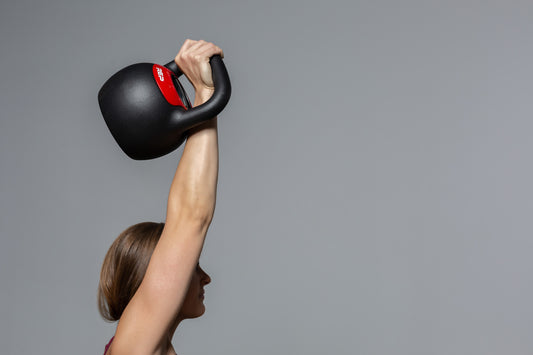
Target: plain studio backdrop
x,y
375,192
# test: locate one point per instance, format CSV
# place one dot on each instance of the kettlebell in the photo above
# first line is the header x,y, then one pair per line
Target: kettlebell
x,y
148,112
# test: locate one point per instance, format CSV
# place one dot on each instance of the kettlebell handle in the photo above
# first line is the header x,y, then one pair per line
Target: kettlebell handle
x,y
174,68
216,103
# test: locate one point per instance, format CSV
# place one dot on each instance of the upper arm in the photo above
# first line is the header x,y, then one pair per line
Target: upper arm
x,y
152,311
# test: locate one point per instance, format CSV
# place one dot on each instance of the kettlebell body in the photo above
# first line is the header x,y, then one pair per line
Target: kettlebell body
x,y
148,112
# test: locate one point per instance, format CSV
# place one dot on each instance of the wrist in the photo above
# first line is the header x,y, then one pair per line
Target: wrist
x,y
203,95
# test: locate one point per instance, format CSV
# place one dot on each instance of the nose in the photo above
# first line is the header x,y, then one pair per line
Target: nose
x,y
205,277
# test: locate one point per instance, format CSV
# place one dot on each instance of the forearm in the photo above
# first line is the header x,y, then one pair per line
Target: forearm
x,y
193,189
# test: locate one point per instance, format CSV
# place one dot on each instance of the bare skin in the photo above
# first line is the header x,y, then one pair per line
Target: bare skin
x,y
172,288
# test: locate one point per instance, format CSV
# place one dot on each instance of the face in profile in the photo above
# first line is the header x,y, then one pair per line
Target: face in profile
x,y
193,305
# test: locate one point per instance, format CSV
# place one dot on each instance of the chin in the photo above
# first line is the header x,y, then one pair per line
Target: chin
x,y
201,311
196,313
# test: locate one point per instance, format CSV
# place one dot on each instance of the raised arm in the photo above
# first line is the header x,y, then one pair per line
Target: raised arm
x,y
152,312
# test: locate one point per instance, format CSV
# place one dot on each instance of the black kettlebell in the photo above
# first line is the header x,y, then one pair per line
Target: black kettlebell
x,y
148,111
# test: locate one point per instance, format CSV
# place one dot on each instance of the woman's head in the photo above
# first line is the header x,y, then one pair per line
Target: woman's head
x,y
124,267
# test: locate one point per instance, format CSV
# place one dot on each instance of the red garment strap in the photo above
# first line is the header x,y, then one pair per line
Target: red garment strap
x,y
108,345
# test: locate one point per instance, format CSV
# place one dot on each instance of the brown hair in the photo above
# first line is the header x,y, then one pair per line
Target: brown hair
x,y
124,267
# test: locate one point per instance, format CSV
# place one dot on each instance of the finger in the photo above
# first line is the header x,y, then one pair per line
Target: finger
x,y
209,50
201,50
220,52
216,50
184,48
187,44
196,51
197,45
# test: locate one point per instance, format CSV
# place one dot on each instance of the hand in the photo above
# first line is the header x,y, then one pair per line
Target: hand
x,y
193,61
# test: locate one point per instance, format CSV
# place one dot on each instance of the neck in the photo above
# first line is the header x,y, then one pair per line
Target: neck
x,y
171,332
169,349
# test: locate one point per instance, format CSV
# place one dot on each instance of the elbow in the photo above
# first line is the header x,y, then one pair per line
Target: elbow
x,y
199,214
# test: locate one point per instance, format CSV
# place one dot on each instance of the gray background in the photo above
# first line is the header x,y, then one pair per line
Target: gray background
x,y
375,191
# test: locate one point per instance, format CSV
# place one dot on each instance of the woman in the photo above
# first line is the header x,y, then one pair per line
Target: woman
x,y
151,279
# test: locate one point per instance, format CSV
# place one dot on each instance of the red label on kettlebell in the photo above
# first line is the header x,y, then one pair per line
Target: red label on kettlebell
x,y
163,78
